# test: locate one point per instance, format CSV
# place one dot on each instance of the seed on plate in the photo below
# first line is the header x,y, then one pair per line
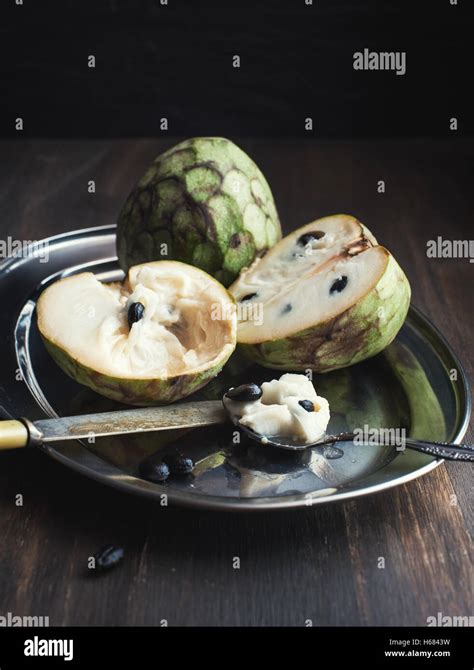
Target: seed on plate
x,y
135,313
108,557
154,470
179,464
307,405
338,285
249,296
245,392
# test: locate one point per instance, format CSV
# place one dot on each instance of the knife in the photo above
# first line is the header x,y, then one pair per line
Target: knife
x,y
15,433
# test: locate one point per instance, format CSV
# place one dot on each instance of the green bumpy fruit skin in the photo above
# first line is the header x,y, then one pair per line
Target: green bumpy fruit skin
x,y
362,331
141,392
203,202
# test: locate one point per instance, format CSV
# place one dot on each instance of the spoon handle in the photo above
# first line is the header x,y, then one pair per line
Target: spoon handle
x,y
445,450
450,452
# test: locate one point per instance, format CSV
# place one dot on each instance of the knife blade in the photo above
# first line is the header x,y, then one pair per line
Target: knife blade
x,y
24,432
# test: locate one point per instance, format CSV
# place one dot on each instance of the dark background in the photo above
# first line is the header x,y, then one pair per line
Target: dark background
x,y
175,61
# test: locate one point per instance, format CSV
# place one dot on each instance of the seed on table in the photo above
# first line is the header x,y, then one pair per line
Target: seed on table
x,y
108,557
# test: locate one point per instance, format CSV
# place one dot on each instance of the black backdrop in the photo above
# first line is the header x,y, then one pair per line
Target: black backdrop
x,y
175,61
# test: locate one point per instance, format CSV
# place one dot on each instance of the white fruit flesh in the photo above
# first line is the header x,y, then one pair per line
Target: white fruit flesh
x,y
188,322
295,285
278,412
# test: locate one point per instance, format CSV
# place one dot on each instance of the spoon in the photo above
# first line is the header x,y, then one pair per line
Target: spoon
x,y
445,450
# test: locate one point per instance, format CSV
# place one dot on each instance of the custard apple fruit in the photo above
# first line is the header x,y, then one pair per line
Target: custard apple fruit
x,y
203,202
325,297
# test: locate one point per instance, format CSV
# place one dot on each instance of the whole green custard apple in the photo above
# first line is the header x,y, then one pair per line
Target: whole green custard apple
x,y
203,202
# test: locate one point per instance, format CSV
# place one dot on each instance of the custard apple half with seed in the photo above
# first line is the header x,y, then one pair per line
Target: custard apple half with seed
x,y
203,202
158,336
325,297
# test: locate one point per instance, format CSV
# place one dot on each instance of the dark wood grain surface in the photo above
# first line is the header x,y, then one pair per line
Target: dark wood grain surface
x,y
318,564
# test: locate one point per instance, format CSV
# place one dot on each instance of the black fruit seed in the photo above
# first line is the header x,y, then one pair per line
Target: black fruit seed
x,y
249,296
307,405
307,238
154,470
287,308
245,392
108,557
180,465
135,313
339,285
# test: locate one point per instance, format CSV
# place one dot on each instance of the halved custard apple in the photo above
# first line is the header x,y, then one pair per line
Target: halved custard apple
x,y
158,336
325,297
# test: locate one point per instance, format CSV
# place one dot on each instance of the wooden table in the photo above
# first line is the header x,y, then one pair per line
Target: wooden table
x,y
320,563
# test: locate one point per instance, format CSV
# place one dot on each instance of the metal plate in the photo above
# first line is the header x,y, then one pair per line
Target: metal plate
x,y
409,385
